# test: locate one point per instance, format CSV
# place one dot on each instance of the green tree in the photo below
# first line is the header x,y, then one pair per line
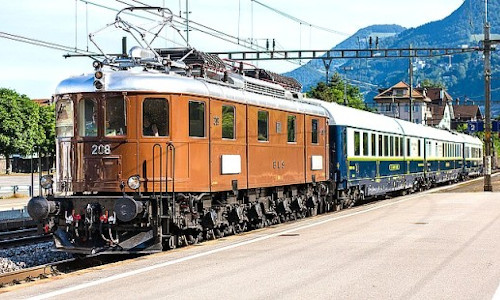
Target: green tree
x,y
48,129
334,92
428,83
19,129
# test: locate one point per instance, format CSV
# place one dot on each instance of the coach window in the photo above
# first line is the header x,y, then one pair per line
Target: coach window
x,y
380,138
419,148
262,124
392,146
228,122
314,134
196,119
408,147
365,144
374,145
87,117
386,145
397,146
155,117
357,144
291,124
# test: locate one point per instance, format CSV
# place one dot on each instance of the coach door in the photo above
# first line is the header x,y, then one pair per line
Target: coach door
x,y
228,167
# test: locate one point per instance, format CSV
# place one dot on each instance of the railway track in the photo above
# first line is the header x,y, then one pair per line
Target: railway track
x,y
57,268
22,237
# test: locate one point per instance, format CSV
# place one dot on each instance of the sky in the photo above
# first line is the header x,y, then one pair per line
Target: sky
x,y
35,71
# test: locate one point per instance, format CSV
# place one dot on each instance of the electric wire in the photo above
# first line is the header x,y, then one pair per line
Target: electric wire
x,y
44,44
288,16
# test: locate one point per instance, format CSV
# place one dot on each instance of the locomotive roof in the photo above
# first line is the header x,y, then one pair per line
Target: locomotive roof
x,y
155,82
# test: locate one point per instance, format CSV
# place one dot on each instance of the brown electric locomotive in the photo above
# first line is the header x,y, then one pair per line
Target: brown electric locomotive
x,y
152,156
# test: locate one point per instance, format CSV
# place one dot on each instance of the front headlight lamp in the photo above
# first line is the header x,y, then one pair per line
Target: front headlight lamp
x,y
46,181
134,182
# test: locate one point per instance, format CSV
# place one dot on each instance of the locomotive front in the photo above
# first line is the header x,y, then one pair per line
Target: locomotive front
x,y
95,203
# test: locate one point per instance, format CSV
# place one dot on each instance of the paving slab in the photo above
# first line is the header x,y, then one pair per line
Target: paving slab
x,y
425,246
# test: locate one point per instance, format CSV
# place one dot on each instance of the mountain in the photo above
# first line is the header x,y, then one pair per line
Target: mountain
x,y
462,74
314,71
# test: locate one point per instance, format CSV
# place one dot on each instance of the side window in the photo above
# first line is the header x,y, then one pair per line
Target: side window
x,y
87,117
155,117
386,145
228,122
392,146
262,124
196,119
380,153
314,133
365,144
357,144
291,125
408,147
374,144
397,146
401,146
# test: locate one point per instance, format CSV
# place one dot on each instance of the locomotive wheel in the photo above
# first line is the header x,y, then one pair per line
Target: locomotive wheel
x,y
172,242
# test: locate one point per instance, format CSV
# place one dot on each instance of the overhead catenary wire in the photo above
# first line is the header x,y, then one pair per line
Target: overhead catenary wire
x,y
44,44
288,16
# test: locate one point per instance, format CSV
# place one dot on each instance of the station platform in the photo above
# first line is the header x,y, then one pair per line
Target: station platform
x,y
429,245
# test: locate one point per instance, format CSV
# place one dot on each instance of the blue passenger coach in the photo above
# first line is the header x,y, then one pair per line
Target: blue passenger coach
x,y
371,154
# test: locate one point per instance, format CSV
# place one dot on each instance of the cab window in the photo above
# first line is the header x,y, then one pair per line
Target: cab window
x,y
155,117
116,117
87,117
196,119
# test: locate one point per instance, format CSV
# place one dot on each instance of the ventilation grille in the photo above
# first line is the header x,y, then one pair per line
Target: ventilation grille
x,y
264,90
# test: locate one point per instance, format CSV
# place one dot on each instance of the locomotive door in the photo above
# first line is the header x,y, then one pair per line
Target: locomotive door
x,y
228,156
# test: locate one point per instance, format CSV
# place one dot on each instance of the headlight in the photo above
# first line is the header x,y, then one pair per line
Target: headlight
x,y
46,181
134,182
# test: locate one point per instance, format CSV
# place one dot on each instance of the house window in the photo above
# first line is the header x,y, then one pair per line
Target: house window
x,y
227,122
262,124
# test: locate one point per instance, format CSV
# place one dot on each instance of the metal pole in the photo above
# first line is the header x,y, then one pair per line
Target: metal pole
x,y
487,99
411,87
187,21
345,88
